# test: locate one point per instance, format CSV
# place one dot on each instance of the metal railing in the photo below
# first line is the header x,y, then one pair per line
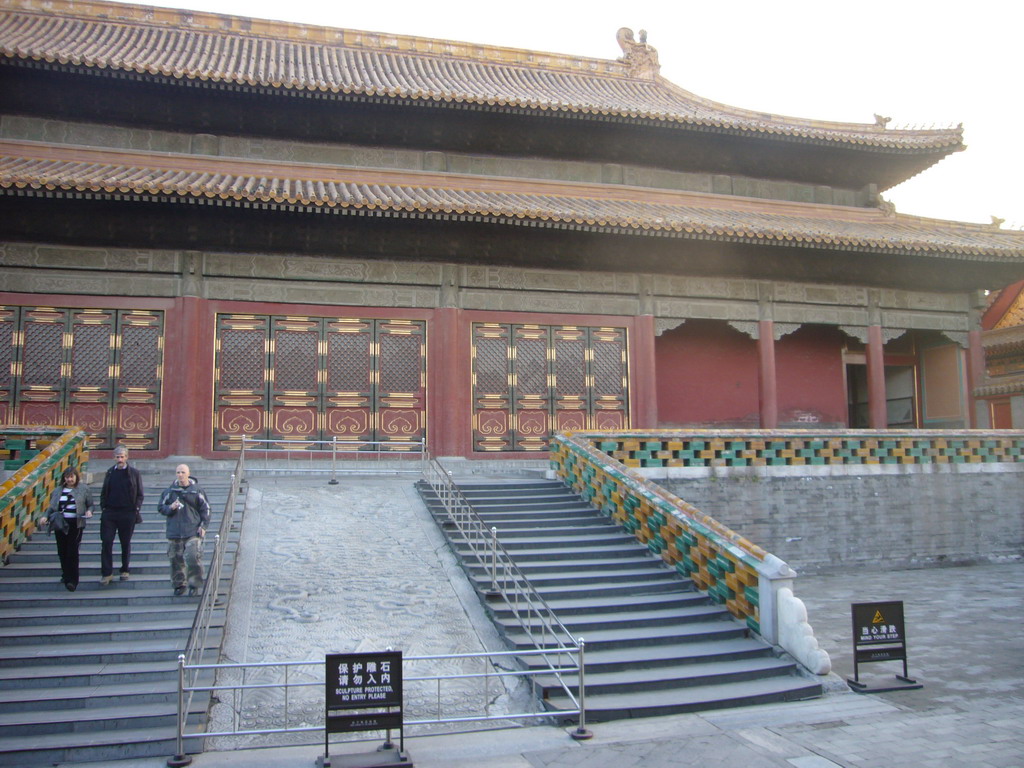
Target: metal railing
x,y
508,583
190,663
333,456
268,698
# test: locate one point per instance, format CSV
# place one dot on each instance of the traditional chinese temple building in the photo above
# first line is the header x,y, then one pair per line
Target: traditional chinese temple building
x,y
1002,390
215,226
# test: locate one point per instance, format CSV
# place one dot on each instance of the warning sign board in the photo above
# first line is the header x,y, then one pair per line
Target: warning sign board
x,y
879,634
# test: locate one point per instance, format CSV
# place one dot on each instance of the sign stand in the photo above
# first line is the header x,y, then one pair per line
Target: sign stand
x,y
363,692
879,634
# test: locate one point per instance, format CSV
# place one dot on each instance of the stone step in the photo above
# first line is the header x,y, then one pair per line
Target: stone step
x,y
665,655
697,631
92,633
564,563
611,588
606,553
594,605
158,650
601,683
78,615
565,533
88,674
592,576
612,537
101,747
112,717
640,620
655,703
89,593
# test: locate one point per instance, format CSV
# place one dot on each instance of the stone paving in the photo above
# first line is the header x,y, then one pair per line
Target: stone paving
x,y
313,588
349,568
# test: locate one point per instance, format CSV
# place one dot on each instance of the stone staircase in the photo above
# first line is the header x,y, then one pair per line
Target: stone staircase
x,y
654,644
91,675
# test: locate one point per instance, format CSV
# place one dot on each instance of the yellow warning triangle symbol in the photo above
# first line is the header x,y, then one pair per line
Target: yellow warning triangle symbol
x,y
878,618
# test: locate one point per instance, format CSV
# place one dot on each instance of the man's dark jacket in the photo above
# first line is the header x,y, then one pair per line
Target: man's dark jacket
x,y
134,485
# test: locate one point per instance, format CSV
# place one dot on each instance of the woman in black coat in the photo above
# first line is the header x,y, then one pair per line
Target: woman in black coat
x,y
70,505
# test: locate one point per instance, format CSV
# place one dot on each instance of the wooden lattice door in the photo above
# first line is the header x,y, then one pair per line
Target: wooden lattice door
x,y
99,369
530,380
299,379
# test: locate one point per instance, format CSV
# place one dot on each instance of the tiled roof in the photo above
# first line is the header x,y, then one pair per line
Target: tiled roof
x,y
252,52
39,168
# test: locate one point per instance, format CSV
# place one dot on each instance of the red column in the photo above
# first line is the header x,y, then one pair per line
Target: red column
x,y
448,393
187,400
878,417
975,374
643,381
767,386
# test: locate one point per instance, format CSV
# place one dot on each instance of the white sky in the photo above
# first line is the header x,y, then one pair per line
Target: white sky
x,y
920,62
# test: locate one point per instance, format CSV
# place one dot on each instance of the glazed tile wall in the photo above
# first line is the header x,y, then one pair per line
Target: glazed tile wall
x,y
716,558
47,452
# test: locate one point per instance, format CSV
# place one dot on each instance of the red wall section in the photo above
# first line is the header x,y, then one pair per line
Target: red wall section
x,y
810,375
707,375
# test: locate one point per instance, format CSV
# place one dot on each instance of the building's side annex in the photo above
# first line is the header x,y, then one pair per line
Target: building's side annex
x,y
215,226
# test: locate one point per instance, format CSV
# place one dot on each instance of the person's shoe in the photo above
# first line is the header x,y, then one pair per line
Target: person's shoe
x,y
193,591
179,590
70,586
125,575
105,580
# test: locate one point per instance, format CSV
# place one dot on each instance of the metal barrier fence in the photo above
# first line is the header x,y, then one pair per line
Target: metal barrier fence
x,y
267,698
334,456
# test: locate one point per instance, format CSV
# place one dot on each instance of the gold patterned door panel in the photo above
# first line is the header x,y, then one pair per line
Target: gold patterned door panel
x,y
100,369
139,356
530,380
608,379
492,387
401,392
531,385
296,379
9,328
90,396
40,390
349,380
241,397
295,391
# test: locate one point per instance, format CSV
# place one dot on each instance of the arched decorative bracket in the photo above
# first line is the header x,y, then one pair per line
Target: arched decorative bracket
x,y
751,329
663,324
784,329
957,337
858,332
888,334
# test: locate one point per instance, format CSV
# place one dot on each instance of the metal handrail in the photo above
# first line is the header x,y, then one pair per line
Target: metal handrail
x,y
196,646
508,582
328,450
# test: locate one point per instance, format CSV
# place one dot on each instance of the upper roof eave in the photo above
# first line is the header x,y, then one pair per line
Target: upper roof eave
x,y
203,46
45,168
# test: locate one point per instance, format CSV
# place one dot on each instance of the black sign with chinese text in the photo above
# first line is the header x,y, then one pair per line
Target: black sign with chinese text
x,y
369,682
879,635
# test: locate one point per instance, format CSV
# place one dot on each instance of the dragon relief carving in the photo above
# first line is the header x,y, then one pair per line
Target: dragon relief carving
x,y
641,59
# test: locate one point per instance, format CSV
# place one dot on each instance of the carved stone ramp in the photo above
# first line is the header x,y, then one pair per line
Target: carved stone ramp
x,y
655,645
91,675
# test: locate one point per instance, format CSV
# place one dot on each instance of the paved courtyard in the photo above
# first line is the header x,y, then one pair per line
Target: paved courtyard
x,y
361,565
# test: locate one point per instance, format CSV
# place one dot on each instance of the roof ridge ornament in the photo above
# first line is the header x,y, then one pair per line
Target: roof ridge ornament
x,y
881,121
641,59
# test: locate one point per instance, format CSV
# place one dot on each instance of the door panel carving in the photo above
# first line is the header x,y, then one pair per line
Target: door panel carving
x,y
529,380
